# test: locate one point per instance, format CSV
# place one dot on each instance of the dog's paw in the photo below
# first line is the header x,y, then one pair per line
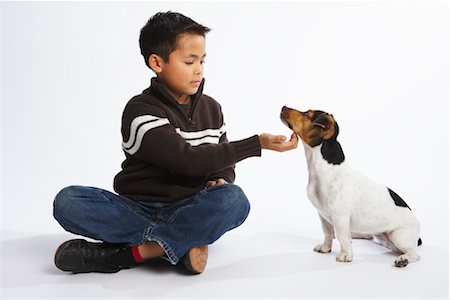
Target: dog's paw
x,y
344,257
402,261
406,258
322,248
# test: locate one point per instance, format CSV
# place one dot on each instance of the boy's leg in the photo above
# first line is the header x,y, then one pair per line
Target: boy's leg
x,y
101,215
201,220
182,229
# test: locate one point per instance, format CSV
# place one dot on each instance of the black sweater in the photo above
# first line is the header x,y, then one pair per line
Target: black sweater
x,y
171,155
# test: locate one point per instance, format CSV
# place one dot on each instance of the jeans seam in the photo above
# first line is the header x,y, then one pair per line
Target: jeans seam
x,y
167,249
146,234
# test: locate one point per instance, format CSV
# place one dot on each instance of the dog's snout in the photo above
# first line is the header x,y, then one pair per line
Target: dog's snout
x,y
284,112
284,116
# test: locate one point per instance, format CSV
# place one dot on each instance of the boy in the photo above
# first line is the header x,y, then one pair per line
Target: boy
x,y
174,194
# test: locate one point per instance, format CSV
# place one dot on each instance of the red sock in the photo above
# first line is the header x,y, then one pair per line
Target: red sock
x,y
136,255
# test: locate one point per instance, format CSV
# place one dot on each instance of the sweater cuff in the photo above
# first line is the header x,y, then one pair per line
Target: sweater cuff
x,y
247,148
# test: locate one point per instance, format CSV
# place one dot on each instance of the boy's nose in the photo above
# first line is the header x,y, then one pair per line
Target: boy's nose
x,y
200,67
199,70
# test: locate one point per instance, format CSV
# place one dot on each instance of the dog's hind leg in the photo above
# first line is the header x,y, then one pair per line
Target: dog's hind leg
x,y
405,239
328,232
383,240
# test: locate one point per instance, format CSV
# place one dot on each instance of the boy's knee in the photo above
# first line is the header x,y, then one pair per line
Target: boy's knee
x,y
235,200
64,202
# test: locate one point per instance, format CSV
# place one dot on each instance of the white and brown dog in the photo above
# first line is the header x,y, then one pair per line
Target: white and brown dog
x,y
350,204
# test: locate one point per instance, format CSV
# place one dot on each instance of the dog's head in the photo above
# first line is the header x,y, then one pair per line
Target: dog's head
x,y
312,126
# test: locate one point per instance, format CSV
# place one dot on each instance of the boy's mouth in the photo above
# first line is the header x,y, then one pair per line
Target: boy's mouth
x,y
195,83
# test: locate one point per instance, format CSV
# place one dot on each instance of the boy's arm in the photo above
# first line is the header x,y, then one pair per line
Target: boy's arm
x,y
150,137
267,141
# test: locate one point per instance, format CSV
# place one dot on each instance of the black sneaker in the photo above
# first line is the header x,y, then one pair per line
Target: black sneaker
x,y
195,260
80,256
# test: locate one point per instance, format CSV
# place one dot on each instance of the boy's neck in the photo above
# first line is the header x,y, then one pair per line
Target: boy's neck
x,y
181,99
185,99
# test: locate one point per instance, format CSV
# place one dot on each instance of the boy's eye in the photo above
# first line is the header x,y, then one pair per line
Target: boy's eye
x,y
192,62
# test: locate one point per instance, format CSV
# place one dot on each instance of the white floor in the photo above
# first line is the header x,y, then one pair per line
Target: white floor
x,y
262,265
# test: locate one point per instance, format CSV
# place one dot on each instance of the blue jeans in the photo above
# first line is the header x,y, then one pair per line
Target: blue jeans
x,y
176,226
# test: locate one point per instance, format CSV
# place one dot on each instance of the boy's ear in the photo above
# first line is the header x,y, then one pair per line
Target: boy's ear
x,y
155,62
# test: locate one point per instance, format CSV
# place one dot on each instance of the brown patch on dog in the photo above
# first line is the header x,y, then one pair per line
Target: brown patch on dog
x,y
313,126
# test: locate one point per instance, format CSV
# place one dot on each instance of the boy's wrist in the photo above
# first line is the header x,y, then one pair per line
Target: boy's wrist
x,y
264,140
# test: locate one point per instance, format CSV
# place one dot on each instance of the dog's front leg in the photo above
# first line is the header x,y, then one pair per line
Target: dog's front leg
x,y
328,232
344,236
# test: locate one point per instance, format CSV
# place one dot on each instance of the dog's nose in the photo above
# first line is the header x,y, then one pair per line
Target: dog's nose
x,y
283,111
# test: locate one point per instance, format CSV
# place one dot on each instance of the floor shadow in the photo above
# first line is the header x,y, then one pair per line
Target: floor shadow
x,y
36,254
28,263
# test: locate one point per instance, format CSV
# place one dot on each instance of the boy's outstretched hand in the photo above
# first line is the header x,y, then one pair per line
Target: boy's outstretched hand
x,y
278,142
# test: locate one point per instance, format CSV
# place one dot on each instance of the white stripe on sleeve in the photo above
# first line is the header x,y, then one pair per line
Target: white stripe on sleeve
x,y
207,136
139,127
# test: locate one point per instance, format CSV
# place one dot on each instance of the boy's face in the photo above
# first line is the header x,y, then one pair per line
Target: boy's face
x,y
183,72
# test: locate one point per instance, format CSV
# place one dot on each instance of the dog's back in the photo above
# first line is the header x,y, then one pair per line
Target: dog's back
x,y
339,189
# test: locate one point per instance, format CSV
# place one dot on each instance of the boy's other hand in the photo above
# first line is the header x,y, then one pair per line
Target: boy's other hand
x,y
278,142
216,182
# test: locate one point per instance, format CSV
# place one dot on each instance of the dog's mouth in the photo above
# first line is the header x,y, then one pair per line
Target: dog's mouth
x,y
286,123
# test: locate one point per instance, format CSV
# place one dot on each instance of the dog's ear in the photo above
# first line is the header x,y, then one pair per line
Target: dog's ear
x,y
326,123
321,121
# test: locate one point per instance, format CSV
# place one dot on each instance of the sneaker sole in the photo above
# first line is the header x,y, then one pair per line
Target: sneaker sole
x,y
198,257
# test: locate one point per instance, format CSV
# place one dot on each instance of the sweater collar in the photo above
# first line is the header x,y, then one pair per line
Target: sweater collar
x,y
157,88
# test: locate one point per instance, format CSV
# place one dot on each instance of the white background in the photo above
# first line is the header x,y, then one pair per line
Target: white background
x,y
381,68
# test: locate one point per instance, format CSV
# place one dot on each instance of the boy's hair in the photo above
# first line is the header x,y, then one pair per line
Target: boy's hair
x,y
160,35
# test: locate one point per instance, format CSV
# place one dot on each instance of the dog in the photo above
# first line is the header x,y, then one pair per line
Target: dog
x,y
350,204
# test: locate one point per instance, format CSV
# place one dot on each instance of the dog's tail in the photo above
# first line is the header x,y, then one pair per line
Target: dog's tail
x,y
419,242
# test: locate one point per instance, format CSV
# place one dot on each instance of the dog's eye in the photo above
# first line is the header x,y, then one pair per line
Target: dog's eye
x,y
305,114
